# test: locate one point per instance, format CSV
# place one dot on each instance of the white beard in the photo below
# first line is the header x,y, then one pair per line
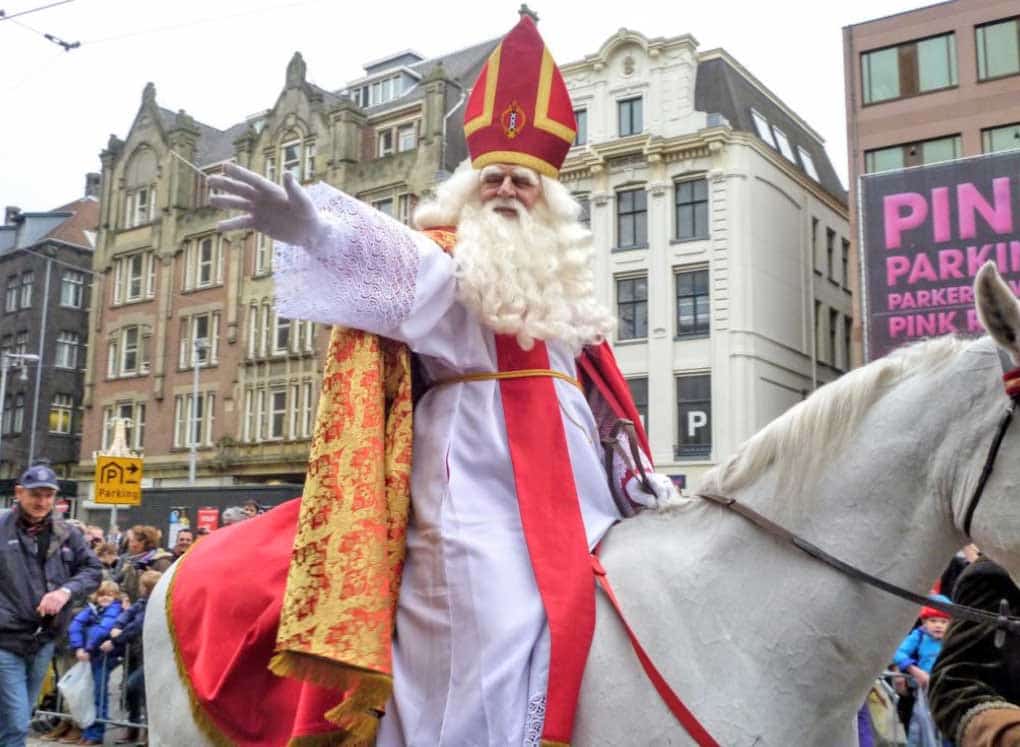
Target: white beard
x,y
527,276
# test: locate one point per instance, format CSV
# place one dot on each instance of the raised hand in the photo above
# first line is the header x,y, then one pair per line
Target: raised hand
x,y
284,213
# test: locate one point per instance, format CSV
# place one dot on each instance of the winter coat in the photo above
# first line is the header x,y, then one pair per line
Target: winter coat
x,y
918,649
131,621
132,568
92,626
24,580
972,673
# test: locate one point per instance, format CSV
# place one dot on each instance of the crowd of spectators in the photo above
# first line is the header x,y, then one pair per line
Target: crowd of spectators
x,y
75,593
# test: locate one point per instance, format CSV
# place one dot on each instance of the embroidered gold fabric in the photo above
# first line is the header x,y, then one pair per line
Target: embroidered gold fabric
x,y
337,620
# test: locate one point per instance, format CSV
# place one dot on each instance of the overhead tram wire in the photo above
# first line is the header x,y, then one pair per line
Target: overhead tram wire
x,y
8,16
68,46
200,21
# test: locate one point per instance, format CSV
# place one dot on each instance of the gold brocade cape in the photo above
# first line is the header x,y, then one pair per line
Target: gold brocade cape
x,y
337,620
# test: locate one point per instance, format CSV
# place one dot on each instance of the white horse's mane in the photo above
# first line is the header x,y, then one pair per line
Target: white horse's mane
x,y
807,432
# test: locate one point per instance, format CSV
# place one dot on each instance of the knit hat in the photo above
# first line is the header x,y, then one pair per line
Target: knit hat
x,y
928,612
519,110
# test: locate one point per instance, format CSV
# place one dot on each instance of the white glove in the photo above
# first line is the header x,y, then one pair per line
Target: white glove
x,y
665,492
284,213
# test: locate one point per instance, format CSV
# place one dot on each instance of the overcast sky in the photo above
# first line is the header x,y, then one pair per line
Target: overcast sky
x,y
224,60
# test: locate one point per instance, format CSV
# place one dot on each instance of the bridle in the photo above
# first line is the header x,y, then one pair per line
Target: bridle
x,y
1002,621
1011,379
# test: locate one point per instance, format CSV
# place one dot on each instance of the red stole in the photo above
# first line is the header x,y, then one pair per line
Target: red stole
x,y
553,527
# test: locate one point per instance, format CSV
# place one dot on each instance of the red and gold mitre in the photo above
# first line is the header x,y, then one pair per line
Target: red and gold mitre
x,y
519,110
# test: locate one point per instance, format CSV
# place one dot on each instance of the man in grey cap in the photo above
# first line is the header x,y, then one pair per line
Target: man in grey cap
x,y
43,563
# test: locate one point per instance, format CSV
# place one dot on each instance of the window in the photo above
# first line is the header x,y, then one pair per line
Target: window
x,y
203,265
134,277
639,393
309,161
784,144
405,209
631,219
129,351
72,289
67,350
27,281
819,330
996,139
834,328
385,146
61,411
265,328
808,163
11,299
200,340
830,252
692,303
762,126
262,254
133,415
384,206
407,137
629,116
581,117
913,154
193,420
309,337
281,336
139,206
290,159
909,69
306,409
21,343
847,350
19,413
127,355
632,308
270,169
694,411
692,209
998,49
8,403
846,264
277,413
253,331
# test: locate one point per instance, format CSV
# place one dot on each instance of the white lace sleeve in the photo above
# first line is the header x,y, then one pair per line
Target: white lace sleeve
x,y
361,272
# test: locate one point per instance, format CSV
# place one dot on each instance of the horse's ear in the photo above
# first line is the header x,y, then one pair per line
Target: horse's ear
x,y
998,309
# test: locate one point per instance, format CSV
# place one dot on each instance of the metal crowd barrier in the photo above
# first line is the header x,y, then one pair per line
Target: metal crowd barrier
x,y
60,713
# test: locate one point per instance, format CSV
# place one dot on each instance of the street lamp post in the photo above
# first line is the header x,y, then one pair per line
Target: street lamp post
x,y
194,425
5,363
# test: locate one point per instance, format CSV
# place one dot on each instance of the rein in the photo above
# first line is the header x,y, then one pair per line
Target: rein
x,y
1001,621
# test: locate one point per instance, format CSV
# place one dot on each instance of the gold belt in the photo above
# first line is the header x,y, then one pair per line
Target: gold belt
x,y
523,373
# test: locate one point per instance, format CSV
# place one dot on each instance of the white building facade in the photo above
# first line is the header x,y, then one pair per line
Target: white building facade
x,y
722,234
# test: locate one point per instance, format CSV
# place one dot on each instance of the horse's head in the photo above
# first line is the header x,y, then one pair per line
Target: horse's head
x,y
995,521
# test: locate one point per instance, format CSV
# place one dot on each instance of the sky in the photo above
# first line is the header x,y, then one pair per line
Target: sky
x,y
222,61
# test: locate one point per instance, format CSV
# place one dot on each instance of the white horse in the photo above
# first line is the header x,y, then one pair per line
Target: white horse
x,y
764,644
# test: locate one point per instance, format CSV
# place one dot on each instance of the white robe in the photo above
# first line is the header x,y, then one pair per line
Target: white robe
x,y
471,651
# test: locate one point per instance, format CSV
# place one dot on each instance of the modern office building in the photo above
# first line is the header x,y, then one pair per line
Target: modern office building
x,y
929,85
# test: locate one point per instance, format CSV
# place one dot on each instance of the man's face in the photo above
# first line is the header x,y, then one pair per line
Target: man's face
x,y
511,187
184,539
36,503
249,510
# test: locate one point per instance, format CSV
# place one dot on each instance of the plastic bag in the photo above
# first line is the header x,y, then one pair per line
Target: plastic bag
x,y
79,694
926,734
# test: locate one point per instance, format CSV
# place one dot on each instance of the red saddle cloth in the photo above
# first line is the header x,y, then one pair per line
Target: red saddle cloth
x,y
223,607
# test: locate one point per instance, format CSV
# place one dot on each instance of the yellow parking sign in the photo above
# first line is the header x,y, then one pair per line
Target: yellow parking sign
x,y
119,480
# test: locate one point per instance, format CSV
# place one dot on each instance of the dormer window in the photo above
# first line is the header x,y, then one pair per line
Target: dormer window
x,y
290,158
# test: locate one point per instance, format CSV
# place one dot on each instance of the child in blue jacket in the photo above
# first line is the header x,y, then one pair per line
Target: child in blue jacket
x,y
87,631
917,654
126,637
